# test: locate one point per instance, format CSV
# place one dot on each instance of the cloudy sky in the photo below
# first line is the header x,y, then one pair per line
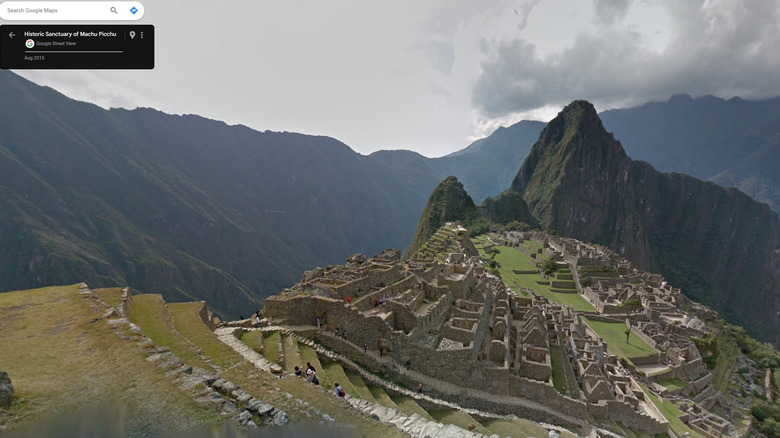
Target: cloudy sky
x,y
434,75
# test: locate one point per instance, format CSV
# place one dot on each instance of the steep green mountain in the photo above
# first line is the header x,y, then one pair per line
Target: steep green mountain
x,y
183,206
731,142
448,202
719,245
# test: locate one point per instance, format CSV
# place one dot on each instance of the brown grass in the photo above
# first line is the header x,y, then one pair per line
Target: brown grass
x,y
61,357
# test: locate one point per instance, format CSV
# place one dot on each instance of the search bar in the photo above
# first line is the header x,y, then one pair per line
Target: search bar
x,y
71,11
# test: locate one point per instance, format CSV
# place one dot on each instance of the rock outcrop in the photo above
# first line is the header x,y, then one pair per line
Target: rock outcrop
x,y
6,390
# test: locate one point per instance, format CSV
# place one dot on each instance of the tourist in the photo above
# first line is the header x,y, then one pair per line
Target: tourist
x,y
408,364
336,333
257,320
298,372
348,300
419,388
365,348
345,334
376,303
339,390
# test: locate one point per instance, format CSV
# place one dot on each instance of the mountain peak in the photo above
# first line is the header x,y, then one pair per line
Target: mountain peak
x,y
574,143
448,202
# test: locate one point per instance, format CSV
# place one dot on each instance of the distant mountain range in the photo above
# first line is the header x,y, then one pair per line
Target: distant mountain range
x,y
196,209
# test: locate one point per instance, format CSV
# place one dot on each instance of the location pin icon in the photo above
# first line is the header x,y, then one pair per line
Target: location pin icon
x,y
132,34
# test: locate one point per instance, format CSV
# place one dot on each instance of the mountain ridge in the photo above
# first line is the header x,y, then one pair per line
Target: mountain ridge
x,y
579,181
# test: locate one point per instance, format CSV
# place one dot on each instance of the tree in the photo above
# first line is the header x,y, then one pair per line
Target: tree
x,y
630,306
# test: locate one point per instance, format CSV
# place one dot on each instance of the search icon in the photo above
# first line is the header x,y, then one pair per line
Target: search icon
x,y
113,9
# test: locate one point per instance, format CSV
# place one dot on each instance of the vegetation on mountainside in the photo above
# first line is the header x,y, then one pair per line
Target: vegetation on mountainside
x,y
449,202
731,142
579,180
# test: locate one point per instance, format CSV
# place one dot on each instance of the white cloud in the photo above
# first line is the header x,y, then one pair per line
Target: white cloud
x,y
719,47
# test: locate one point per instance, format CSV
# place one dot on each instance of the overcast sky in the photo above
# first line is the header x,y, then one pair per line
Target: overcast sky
x,y
432,76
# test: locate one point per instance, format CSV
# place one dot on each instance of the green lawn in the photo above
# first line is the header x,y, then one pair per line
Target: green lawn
x,y
515,428
512,259
151,314
672,384
614,334
460,419
271,344
408,406
112,296
559,378
672,414
253,340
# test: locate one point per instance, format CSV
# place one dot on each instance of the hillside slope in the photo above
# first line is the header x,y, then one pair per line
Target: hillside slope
x,y
182,206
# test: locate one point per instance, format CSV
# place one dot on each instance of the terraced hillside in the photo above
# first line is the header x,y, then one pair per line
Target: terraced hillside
x,y
150,366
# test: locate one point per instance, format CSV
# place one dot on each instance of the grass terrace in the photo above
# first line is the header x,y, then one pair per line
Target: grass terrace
x,y
70,371
614,334
672,414
512,259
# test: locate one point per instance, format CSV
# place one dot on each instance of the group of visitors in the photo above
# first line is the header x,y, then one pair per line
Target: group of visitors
x,y
310,373
311,376
382,301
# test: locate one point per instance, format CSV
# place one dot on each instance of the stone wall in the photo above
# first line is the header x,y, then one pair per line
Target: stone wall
x,y
625,413
368,300
203,314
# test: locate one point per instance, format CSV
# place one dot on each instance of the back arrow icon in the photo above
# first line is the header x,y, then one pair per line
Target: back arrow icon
x,y
11,34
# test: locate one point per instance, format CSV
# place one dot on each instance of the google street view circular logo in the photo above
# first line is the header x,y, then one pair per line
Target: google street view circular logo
x,y
30,44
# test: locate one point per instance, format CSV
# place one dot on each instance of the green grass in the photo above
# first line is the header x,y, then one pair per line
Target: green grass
x,y
382,398
727,355
515,428
360,386
408,406
672,414
253,340
512,259
271,351
559,378
292,357
69,370
309,355
335,374
112,296
151,314
614,334
185,319
672,384
460,419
